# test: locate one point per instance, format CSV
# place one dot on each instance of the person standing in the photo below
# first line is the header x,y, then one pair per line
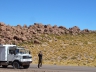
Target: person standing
x,y
40,59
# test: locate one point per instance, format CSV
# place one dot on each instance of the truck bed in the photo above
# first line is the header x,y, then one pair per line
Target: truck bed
x,y
3,56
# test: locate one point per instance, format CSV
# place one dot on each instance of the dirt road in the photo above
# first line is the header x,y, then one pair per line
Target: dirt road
x,y
51,68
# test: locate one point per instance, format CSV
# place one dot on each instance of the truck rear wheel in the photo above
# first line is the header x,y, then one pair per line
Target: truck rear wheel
x,y
16,65
26,66
4,66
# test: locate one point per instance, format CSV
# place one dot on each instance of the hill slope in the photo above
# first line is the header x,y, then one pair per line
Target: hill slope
x,y
66,49
59,45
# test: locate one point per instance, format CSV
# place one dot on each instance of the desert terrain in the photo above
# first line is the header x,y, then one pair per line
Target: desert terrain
x,y
60,46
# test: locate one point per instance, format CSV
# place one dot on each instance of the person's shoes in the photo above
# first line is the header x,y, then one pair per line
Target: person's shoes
x,y
38,66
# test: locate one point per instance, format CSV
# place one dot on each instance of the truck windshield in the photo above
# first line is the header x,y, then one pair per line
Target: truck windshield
x,y
22,51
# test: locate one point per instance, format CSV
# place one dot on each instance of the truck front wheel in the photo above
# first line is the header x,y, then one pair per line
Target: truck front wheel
x,y
26,66
16,65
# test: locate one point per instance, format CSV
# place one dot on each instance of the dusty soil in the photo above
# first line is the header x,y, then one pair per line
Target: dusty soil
x,y
25,70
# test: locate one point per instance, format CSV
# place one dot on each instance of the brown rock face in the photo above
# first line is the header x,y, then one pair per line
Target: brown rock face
x,y
18,34
85,31
37,41
74,30
2,24
2,41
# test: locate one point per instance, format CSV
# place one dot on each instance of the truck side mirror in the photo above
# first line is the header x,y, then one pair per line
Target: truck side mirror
x,y
29,52
14,53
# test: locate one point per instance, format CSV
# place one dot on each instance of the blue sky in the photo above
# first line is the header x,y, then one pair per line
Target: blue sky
x,y
67,13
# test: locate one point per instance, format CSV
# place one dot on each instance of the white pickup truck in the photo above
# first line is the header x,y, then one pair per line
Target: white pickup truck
x,y
15,56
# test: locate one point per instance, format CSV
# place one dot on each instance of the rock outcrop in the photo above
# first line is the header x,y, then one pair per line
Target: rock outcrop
x,y
18,34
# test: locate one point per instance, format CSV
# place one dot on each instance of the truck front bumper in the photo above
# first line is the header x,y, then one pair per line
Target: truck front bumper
x,y
26,63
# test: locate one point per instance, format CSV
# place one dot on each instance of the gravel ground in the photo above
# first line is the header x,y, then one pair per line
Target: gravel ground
x,y
10,69
26,70
50,68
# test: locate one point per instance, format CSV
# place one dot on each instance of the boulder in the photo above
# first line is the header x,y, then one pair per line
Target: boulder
x,y
74,30
36,41
85,31
18,34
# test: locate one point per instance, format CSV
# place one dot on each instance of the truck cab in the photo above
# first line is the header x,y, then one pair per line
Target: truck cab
x,y
15,56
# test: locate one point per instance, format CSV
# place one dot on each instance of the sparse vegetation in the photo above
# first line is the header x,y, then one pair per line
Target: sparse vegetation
x,y
66,49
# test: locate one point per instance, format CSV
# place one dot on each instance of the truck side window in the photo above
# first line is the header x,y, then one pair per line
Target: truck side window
x,y
11,52
17,51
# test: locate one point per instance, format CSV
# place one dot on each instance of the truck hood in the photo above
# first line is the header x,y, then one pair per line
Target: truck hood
x,y
23,54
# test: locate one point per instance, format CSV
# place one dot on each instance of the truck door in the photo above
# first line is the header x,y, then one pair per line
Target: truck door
x,y
11,54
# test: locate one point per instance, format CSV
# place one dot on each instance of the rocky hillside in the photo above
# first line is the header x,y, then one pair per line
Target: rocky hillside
x,y
18,34
59,45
